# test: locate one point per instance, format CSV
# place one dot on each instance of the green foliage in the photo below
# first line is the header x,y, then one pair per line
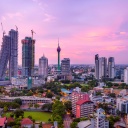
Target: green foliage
x,y
18,113
49,94
5,108
98,94
68,105
12,105
112,95
112,120
47,107
85,88
73,125
18,101
30,93
30,105
36,106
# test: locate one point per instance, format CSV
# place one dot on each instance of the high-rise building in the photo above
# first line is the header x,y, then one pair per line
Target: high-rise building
x,y
97,66
9,54
58,51
102,67
111,67
126,75
78,95
65,66
4,56
84,108
43,67
28,56
100,119
13,64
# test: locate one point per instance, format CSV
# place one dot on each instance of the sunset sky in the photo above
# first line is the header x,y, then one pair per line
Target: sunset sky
x,y
84,28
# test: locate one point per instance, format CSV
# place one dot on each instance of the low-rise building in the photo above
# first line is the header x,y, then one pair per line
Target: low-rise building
x,y
27,99
26,123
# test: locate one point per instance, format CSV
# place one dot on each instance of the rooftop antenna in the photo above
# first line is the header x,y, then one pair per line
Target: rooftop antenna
x,y
16,28
32,33
2,29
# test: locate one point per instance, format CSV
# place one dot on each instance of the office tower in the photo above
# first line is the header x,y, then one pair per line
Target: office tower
x,y
43,67
4,56
100,119
111,67
84,108
102,67
13,60
97,66
65,66
58,51
126,75
78,96
28,56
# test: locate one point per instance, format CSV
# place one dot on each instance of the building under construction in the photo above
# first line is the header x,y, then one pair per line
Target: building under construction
x,y
9,54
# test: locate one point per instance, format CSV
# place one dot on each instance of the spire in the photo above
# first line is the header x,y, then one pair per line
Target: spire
x,y
58,42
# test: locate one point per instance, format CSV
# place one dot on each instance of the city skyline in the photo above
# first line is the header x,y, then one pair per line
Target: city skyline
x,y
84,28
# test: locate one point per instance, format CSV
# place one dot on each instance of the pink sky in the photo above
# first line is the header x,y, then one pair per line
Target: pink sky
x,y
84,27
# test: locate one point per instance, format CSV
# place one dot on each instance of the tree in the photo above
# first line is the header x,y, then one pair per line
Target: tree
x,y
68,105
5,108
47,107
18,101
73,125
58,108
30,105
18,113
36,106
59,119
49,95
112,95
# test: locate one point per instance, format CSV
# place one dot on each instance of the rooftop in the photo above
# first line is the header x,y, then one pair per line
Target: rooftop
x,y
2,121
26,121
80,102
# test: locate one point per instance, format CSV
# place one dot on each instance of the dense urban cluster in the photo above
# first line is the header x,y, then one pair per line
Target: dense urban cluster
x,y
60,96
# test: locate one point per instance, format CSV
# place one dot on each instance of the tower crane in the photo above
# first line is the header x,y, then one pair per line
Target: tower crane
x,y
32,33
2,29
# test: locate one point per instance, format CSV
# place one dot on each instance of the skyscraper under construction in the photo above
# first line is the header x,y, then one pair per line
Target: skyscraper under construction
x,y
28,56
9,54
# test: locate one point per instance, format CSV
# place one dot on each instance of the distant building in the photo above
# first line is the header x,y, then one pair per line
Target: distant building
x,y
97,66
28,56
126,75
75,96
26,122
58,51
102,67
111,67
84,108
65,66
43,67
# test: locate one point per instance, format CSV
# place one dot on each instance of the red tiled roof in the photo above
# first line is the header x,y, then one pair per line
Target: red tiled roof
x,y
2,121
80,102
26,121
10,119
47,125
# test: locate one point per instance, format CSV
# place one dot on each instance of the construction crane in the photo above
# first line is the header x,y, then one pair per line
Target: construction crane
x,y
2,29
32,33
16,28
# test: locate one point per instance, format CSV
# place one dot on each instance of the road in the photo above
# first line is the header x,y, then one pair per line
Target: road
x,y
67,121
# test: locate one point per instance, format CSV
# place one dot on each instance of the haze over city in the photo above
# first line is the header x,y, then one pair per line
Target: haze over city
x,y
84,28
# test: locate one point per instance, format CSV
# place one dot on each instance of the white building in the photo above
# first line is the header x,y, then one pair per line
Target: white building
x,y
122,104
100,119
126,75
43,67
96,99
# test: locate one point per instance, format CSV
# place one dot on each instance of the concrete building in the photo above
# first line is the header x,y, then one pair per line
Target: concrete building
x,y
111,67
43,67
27,99
126,75
13,60
102,67
28,56
9,54
58,51
100,119
97,66
75,96
65,66
84,108
122,104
